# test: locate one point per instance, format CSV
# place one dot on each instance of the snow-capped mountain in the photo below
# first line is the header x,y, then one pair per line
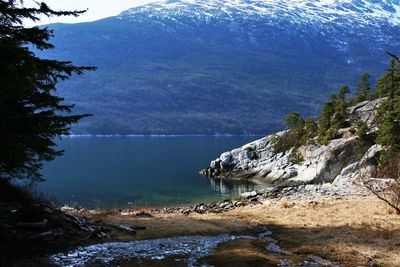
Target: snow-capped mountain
x,y
335,19
363,12
222,66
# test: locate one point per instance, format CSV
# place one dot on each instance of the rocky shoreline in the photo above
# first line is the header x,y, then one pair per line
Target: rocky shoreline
x,y
262,196
336,169
342,162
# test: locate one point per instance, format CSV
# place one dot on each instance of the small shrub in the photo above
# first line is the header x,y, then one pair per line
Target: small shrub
x,y
297,158
329,135
285,203
144,214
391,211
249,149
282,143
387,188
362,129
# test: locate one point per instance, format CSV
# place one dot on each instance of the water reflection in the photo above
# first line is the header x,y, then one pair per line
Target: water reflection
x,y
230,187
154,171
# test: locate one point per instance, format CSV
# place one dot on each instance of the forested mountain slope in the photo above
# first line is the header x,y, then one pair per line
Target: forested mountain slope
x,y
207,67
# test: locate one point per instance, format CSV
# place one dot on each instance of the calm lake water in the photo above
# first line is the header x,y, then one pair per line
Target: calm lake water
x,y
138,171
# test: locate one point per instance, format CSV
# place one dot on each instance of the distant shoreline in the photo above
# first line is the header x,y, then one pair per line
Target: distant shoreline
x,y
161,135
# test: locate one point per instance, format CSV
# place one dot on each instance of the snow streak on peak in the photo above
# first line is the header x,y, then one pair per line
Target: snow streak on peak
x,y
300,11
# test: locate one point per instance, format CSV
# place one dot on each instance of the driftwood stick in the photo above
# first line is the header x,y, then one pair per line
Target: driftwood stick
x,y
118,227
127,229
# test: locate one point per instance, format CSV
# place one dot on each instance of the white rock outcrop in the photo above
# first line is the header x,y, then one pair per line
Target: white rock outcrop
x,y
339,162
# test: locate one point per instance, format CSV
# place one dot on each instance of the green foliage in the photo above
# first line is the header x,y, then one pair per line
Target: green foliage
x,y
340,114
279,143
329,135
294,121
293,136
310,131
31,113
343,91
297,158
299,132
389,129
363,142
333,116
387,84
362,129
324,121
283,142
363,89
388,117
150,81
386,157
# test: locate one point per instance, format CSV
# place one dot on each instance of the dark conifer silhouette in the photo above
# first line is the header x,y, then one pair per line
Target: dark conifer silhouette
x,y
31,114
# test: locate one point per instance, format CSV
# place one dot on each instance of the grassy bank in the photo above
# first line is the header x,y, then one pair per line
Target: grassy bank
x,y
351,231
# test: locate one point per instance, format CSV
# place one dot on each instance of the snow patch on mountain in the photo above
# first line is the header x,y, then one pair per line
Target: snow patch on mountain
x,y
296,11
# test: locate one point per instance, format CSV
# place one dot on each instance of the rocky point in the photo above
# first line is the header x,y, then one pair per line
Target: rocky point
x,y
341,163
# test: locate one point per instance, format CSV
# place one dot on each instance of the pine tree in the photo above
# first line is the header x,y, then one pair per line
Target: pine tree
x,y
363,88
310,130
343,91
388,118
31,114
387,83
296,127
324,121
294,120
340,114
293,136
333,116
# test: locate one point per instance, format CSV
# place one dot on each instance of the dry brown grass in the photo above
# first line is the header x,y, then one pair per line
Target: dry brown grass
x,y
391,211
169,225
353,231
285,203
387,190
247,253
143,213
106,212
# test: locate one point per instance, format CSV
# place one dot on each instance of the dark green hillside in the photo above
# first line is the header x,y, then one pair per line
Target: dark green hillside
x,y
334,122
182,77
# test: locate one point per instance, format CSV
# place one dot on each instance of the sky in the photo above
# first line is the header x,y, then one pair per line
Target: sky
x,y
98,9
